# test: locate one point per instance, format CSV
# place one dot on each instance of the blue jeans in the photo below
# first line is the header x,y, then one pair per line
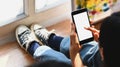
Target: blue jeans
x,y
89,54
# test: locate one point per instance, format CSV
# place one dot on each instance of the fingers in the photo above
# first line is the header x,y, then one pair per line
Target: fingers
x,y
73,35
94,31
73,38
72,28
96,36
91,29
74,46
91,22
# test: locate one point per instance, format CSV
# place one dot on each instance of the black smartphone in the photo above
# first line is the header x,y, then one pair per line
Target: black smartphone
x,y
81,20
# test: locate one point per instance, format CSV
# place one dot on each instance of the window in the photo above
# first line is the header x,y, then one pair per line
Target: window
x,y
41,5
12,10
9,10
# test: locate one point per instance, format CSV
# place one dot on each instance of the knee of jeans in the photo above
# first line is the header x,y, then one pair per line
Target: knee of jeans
x,y
64,46
88,51
40,50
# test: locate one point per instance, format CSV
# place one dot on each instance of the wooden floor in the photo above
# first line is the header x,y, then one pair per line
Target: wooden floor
x,y
11,54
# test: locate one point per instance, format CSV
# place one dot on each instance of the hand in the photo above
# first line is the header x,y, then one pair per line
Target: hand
x,y
94,31
75,49
74,46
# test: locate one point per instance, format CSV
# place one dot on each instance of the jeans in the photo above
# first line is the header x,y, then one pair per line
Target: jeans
x,y
90,54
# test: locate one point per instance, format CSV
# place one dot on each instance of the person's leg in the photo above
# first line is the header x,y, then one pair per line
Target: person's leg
x,y
47,37
54,42
45,53
28,42
89,52
91,55
33,46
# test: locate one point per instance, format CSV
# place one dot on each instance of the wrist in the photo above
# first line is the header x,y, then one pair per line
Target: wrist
x,y
76,60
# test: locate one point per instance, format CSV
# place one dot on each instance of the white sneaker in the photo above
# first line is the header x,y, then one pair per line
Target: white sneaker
x,y
41,33
24,36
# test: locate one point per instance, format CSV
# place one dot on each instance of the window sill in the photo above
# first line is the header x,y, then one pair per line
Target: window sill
x,y
12,20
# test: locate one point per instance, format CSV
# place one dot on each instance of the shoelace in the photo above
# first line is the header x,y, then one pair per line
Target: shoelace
x,y
25,36
42,33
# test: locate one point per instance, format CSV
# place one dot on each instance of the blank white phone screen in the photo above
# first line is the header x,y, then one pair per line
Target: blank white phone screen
x,y
81,20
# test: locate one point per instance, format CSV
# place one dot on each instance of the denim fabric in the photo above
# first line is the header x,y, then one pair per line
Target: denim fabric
x,y
90,53
45,53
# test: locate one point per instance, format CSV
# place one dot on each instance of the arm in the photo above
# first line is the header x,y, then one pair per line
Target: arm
x,y
74,50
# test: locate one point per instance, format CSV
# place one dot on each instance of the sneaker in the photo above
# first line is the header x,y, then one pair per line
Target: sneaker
x,y
24,36
41,33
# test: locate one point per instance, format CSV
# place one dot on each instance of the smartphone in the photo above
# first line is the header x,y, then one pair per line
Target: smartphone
x,y
81,20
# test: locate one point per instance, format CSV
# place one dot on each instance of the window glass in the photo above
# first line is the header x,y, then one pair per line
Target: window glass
x,y
41,4
49,2
10,9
